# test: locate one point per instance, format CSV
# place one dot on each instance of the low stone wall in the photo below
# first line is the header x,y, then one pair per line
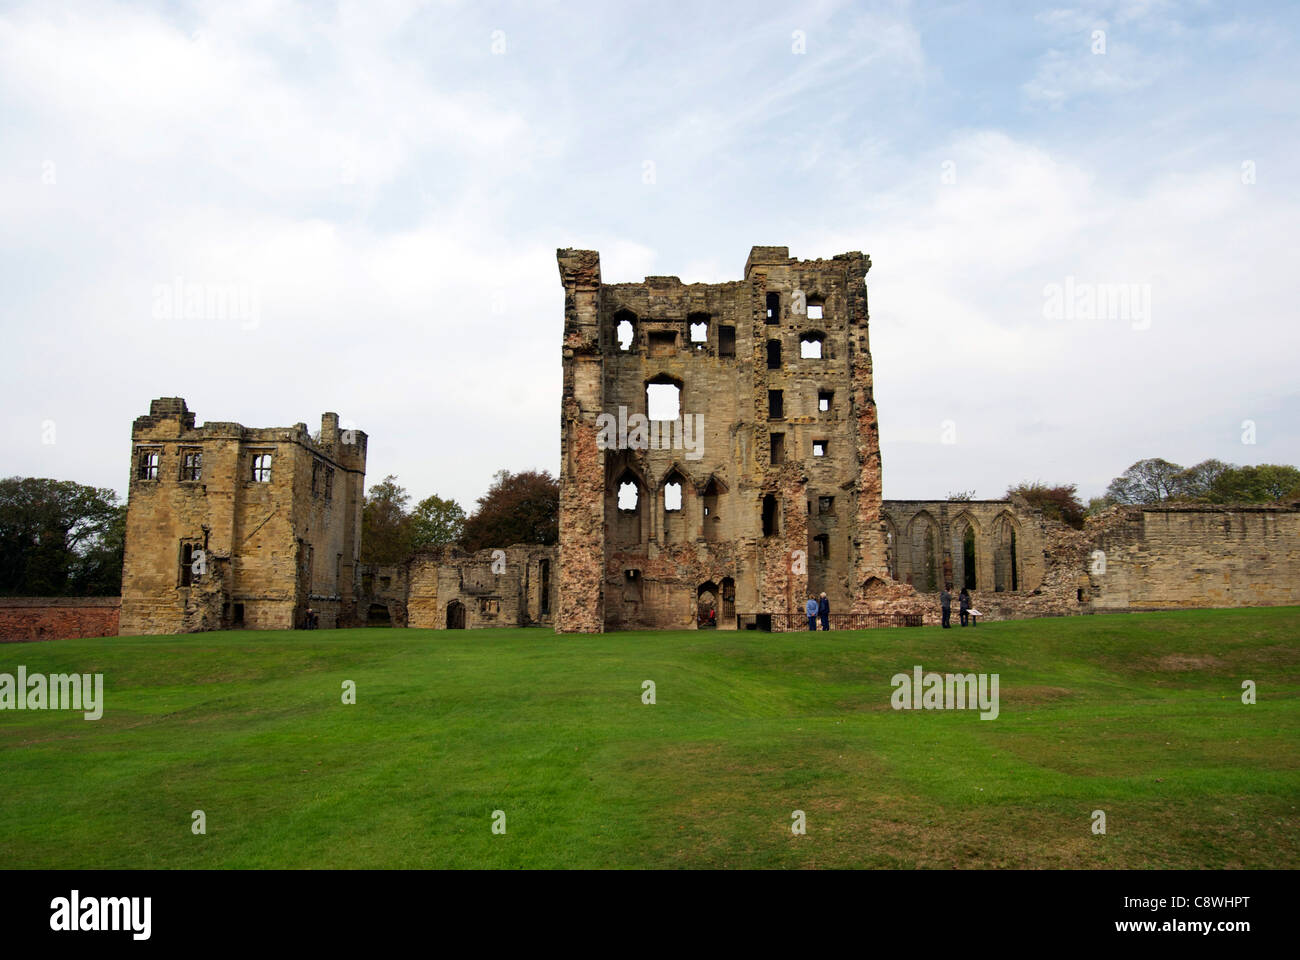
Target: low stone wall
x,y
1156,557
57,618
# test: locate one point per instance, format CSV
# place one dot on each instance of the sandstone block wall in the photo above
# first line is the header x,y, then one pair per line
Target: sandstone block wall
x,y
1169,556
448,588
994,546
775,453
1197,556
271,549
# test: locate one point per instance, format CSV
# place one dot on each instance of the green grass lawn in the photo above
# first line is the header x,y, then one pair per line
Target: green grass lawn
x,y
1138,715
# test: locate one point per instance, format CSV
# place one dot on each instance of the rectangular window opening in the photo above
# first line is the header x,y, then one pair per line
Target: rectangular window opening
x,y
191,465
261,468
148,464
726,341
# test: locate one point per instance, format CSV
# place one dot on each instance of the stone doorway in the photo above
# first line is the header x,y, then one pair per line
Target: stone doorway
x,y
706,606
455,615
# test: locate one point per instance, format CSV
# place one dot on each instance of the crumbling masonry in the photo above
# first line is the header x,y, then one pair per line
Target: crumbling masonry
x,y
719,457
758,485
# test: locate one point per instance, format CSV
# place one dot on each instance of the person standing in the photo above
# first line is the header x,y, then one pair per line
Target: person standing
x,y
963,600
810,611
945,605
824,611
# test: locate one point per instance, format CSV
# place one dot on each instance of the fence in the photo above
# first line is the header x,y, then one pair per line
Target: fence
x,y
793,622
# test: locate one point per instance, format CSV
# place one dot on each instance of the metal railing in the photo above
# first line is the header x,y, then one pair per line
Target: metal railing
x,y
794,622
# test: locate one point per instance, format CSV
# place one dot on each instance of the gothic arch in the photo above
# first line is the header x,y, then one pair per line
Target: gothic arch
x,y
924,555
1007,570
966,548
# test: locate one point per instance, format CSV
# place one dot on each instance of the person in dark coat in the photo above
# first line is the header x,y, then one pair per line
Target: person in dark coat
x,y
824,611
963,600
945,604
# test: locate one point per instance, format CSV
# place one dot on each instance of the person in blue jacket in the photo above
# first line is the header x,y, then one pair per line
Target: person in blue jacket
x,y
810,611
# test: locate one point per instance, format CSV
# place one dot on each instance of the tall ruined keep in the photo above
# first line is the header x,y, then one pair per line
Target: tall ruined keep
x,y
758,481
232,526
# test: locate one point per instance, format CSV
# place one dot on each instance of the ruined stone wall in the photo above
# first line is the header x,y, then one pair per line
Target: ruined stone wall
x,y
382,587
930,542
1127,558
758,423
580,601
270,549
1185,555
449,588
57,618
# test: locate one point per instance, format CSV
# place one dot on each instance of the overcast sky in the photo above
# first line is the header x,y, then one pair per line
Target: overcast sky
x,y
385,184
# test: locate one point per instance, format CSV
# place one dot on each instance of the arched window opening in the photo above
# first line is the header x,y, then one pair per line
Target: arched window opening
x,y
923,572
628,496
810,346
1006,563
712,522
627,517
673,496
969,579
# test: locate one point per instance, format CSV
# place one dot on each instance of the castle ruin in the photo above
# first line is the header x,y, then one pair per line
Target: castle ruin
x,y
720,462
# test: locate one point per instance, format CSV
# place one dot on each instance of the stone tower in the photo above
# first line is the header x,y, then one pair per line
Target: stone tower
x,y
232,526
719,445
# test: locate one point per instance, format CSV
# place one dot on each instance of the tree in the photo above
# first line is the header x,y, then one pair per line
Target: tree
x,y
1059,502
1197,482
59,538
518,508
1097,504
961,496
1147,481
97,570
436,521
1259,484
386,528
